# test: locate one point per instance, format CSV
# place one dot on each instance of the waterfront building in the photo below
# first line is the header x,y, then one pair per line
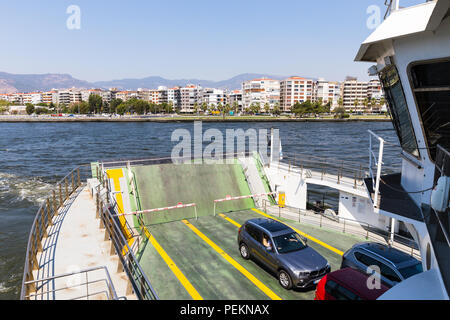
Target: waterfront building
x,y
357,95
328,91
213,97
260,91
190,95
32,97
127,95
49,97
235,96
174,97
296,89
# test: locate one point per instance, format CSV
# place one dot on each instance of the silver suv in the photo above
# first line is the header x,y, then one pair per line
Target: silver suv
x,y
394,265
283,251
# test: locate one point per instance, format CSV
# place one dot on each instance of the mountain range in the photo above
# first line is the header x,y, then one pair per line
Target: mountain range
x,y
12,83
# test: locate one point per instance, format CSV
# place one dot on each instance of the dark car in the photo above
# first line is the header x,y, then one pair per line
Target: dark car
x,y
347,284
393,264
283,251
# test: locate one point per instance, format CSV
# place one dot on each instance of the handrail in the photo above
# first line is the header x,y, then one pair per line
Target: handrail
x,y
110,293
338,174
129,263
346,224
44,217
379,164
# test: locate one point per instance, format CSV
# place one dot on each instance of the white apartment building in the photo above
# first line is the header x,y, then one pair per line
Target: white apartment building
x,y
33,98
260,91
213,97
190,95
127,95
174,97
355,93
63,97
235,96
296,89
328,91
49,97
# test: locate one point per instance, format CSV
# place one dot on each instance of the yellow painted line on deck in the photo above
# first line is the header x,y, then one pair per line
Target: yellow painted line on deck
x,y
181,277
323,244
115,175
230,220
234,263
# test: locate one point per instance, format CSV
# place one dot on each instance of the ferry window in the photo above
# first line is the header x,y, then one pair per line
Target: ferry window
x,y
431,86
398,109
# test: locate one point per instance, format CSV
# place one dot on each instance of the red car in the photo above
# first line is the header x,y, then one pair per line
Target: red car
x,y
347,284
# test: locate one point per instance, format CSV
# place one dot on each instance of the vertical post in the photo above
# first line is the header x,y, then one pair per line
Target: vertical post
x,y
55,207
392,230
49,213
97,205
380,162
321,221
67,188
271,146
344,227
73,182
44,226
78,177
60,196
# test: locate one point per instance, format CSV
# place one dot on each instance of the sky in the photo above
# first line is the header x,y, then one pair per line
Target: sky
x,y
210,40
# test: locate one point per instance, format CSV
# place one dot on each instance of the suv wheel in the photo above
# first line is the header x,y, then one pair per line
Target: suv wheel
x,y
285,280
244,251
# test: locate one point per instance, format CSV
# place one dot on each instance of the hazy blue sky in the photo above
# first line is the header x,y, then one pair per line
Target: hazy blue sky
x,y
203,39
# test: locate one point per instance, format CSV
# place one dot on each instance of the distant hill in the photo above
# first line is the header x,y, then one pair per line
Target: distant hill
x,y
154,82
11,83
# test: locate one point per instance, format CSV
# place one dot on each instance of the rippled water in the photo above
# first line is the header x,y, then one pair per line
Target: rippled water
x,y
34,156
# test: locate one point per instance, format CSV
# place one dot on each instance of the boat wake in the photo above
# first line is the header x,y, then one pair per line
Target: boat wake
x,y
16,189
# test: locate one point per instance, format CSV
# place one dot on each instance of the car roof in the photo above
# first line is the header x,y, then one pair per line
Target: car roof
x,y
394,256
356,281
271,226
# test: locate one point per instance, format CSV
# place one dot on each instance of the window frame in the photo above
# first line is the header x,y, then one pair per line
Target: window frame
x,y
411,84
394,120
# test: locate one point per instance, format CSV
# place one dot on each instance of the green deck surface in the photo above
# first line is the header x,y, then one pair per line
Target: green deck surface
x,y
167,185
211,275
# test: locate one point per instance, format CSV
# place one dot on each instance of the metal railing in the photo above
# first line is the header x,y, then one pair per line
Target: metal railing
x,y
106,289
378,162
344,225
322,168
107,212
44,218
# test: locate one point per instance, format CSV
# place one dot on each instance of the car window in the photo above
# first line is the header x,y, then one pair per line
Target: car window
x,y
266,242
289,242
366,260
411,270
253,232
339,292
389,273
386,271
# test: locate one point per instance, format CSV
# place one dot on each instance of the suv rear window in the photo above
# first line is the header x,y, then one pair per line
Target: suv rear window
x,y
339,292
